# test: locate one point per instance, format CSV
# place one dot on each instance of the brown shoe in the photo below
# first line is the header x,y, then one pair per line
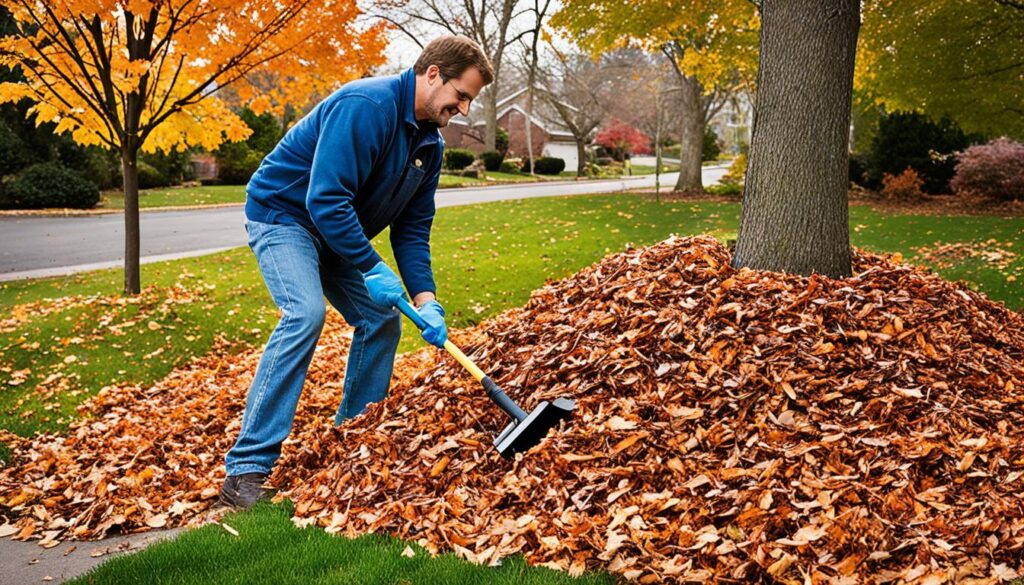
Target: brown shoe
x,y
244,490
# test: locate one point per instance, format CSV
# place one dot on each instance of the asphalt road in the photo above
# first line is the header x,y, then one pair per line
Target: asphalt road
x,y
32,247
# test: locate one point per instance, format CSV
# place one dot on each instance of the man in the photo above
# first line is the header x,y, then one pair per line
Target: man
x,y
367,157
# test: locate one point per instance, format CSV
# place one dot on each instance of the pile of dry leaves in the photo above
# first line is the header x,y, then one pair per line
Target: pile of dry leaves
x,y
730,424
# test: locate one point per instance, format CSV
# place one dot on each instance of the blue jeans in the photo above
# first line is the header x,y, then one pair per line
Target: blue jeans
x,y
299,270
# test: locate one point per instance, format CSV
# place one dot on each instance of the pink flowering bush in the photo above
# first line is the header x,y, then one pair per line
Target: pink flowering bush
x,y
995,170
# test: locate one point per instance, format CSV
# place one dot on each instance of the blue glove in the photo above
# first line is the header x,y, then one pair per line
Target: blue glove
x,y
384,286
436,332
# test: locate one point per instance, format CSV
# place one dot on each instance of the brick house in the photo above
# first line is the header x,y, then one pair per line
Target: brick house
x,y
459,133
548,137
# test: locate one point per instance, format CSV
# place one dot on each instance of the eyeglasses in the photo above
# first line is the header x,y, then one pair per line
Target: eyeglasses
x,y
463,96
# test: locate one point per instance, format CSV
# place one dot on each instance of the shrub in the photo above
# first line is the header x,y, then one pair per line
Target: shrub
x,y
508,166
549,165
727,189
995,170
604,161
266,130
49,185
492,160
613,170
711,148
737,170
150,177
912,140
99,166
13,155
905,186
175,167
546,165
102,167
456,159
858,166
236,163
501,141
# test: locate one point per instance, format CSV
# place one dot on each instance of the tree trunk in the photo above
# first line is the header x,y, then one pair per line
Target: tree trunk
x,y
691,136
581,157
794,216
130,171
491,116
529,124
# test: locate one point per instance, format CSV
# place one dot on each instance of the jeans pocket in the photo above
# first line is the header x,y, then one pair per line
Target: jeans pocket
x,y
253,229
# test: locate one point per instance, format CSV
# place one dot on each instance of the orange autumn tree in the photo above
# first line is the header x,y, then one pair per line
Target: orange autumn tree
x,y
137,75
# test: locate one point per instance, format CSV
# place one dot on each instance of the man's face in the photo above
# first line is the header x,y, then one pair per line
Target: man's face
x,y
452,96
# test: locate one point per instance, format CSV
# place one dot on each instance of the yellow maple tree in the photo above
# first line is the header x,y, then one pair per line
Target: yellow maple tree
x,y
711,45
135,75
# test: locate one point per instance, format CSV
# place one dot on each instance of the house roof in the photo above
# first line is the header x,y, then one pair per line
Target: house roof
x,y
502,102
514,95
546,120
551,130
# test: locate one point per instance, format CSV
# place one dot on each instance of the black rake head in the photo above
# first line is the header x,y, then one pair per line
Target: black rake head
x,y
520,436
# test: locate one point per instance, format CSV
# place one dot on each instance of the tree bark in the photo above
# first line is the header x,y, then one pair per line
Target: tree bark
x,y
691,135
529,123
794,217
130,172
581,157
491,116
138,46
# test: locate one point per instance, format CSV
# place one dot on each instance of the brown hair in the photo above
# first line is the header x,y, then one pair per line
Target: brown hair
x,y
453,55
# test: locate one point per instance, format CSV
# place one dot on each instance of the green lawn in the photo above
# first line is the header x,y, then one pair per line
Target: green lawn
x,y
649,169
457,181
269,549
64,338
172,196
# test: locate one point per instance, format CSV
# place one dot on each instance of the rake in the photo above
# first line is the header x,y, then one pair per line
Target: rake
x,y
525,430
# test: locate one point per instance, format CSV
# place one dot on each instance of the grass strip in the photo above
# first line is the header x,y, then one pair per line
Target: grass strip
x,y
270,549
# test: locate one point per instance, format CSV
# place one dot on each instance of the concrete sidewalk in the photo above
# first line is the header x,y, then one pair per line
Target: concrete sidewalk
x,y
28,563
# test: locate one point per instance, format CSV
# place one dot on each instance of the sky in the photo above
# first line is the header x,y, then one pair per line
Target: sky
x,y
402,51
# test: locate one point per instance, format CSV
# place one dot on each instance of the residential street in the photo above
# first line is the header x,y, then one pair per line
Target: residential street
x,y
49,246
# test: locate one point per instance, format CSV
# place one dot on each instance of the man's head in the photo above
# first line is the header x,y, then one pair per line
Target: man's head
x,y
450,73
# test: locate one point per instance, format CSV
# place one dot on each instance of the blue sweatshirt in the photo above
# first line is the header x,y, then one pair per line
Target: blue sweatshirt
x,y
356,164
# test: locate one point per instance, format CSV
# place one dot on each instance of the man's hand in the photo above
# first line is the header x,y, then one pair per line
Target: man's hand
x,y
384,286
436,332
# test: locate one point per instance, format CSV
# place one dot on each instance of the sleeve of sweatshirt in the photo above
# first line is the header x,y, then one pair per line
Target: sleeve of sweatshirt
x,y
353,131
410,238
